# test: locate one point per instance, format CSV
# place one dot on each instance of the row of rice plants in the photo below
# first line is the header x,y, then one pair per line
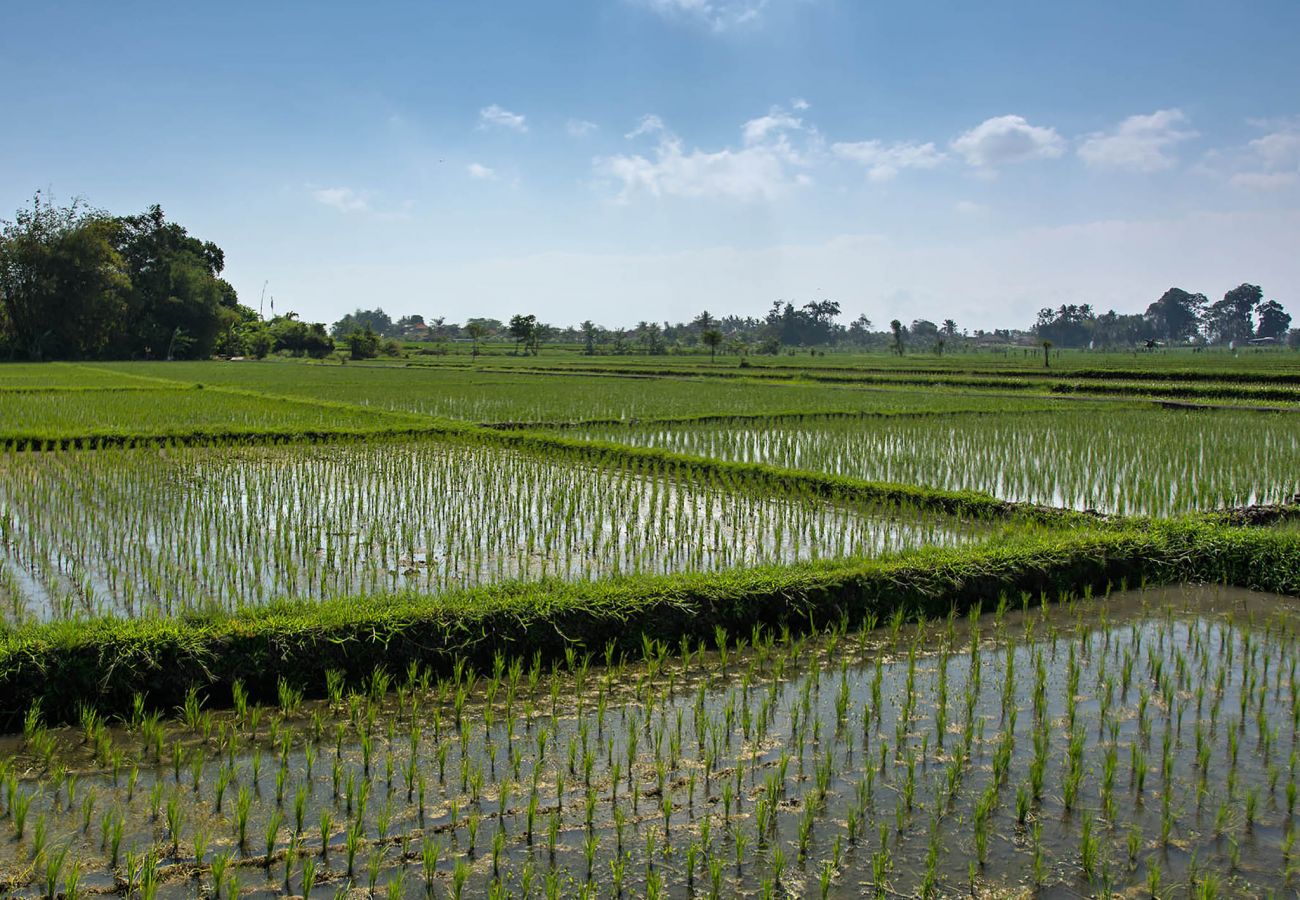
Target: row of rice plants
x,y
1157,463
1097,747
169,531
27,416
551,396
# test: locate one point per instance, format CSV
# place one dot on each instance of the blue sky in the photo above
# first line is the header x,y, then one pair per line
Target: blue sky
x,y
646,159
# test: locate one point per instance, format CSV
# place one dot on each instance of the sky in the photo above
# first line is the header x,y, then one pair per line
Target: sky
x,y
626,160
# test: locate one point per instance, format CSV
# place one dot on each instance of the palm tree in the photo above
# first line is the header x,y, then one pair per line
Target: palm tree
x,y
589,334
712,337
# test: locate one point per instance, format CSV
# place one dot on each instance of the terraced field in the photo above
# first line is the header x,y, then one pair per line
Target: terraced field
x,y
553,628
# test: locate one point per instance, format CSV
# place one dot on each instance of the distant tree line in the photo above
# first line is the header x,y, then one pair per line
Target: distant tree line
x,y
1178,317
79,283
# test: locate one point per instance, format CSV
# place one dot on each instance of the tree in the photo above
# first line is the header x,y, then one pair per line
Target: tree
x,y
363,344
1229,319
1115,330
1273,320
64,287
711,337
860,330
360,319
1070,325
521,329
925,332
175,288
1176,315
476,331
900,336
589,336
300,338
703,322
1047,354
949,328
257,341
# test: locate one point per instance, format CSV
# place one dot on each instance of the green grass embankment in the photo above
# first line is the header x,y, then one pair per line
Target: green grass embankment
x,y
105,663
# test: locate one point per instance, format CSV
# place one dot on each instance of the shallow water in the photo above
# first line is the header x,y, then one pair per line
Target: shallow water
x,y
852,753
170,531
1128,462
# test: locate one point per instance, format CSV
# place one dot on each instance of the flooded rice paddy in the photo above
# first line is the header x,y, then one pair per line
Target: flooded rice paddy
x,y
1142,744
152,531
1128,462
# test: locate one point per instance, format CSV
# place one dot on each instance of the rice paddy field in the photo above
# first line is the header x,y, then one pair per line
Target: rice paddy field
x,y
491,394
558,627
156,531
1151,462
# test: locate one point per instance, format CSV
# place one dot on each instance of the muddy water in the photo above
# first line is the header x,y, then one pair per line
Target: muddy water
x,y
1072,749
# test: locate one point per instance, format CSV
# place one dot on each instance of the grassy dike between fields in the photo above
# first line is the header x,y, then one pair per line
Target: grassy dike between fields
x,y
105,663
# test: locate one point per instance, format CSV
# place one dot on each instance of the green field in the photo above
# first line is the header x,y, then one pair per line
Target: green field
x,y
1128,462
564,626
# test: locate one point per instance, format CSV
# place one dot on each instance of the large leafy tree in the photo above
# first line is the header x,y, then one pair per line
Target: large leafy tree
x,y
179,305
523,329
1230,319
1176,316
1070,325
1273,320
64,286
376,320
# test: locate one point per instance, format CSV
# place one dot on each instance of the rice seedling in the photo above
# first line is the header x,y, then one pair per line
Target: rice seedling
x,y
1118,464
178,532
841,791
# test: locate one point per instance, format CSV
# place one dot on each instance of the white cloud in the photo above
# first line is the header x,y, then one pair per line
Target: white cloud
x,y
1278,150
649,124
499,117
719,15
344,199
1267,163
777,120
481,172
799,103
762,169
579,128
884,161
1139,143
752,173
1007,139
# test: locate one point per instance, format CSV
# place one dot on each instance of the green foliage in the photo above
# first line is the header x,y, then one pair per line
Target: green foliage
x,y
363,344
65,287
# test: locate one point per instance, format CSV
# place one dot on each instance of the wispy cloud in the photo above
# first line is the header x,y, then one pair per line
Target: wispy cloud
x,y
342,198
717,15
1269,162
481,172
498,117
649,124
757,130
1139,143
1007,139
884,161
580,128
